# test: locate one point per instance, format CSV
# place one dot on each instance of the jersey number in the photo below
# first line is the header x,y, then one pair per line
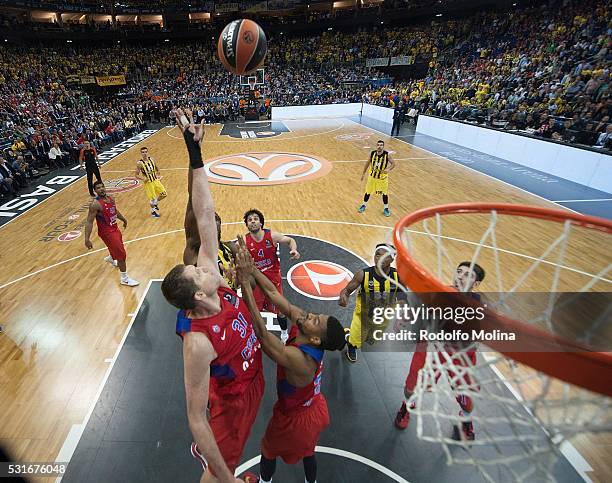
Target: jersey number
x,y
260,253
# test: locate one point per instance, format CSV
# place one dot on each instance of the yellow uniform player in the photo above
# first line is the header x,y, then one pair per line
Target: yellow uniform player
x,y
375,291
379,165
148,171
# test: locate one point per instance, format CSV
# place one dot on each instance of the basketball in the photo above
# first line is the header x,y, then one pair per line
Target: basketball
x,y
242,46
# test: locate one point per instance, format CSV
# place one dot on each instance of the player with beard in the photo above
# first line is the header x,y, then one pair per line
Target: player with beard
x,y
261,243
300,414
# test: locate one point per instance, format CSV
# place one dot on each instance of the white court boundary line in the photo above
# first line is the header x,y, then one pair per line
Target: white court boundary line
x,y
582,201
271,138
337,452
332,222
76,432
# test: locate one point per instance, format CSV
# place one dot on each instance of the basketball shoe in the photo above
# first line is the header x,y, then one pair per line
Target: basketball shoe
x,y
466,433
402,418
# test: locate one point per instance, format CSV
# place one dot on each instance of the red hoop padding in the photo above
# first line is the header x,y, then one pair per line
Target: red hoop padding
x,y
580,365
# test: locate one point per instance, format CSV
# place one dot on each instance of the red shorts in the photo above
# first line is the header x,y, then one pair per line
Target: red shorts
x,y
418,361
114,242
294,436
263,304
231,421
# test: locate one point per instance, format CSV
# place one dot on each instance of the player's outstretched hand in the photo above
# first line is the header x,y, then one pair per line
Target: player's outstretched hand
x,y
184,119
294,255
88,244
343,300
244,262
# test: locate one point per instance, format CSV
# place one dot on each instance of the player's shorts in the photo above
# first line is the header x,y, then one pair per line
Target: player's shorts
x,y
363,327
231,420
293,436
377,186
114,242
418,361
154,189
263,304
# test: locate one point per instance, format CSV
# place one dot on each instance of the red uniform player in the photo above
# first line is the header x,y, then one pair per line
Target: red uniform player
x,y
222,360
300,414
237,366
261,244
105,212
467,278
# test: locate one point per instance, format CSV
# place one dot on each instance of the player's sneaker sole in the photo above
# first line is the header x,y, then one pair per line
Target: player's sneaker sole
x,y
195,452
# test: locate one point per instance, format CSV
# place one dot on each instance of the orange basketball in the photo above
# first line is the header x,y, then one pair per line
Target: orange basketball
x,y
242,46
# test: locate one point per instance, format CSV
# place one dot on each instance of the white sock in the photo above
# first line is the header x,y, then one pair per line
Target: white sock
x,y
124,276
261,480
386,206
153,203
306,481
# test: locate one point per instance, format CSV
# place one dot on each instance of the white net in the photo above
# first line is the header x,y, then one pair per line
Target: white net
x,y
522,418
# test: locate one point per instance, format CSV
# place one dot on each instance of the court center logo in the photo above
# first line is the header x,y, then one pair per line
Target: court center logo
x,y
121,185
262,169
319,279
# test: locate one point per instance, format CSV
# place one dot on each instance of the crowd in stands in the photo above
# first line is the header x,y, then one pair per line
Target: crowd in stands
x,y
542,70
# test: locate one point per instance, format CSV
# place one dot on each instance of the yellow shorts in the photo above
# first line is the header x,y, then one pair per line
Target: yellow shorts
x,y
378,186
362,327
154,189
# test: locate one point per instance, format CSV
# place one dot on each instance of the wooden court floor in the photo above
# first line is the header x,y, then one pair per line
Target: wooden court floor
x,y
64,312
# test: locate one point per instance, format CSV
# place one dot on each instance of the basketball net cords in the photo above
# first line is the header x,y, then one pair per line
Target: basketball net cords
x,y
540,425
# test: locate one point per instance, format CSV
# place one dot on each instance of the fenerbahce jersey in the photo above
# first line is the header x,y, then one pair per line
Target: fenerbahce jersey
x,y
292,399
377,291
378,164
232,336
147,168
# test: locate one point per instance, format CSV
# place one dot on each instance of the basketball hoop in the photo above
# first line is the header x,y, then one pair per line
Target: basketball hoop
x,y
557,386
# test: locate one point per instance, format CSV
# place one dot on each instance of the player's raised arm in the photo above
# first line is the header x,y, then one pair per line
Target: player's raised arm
x,y
198,353
288,357
350,288
269,289
290,242
201,200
